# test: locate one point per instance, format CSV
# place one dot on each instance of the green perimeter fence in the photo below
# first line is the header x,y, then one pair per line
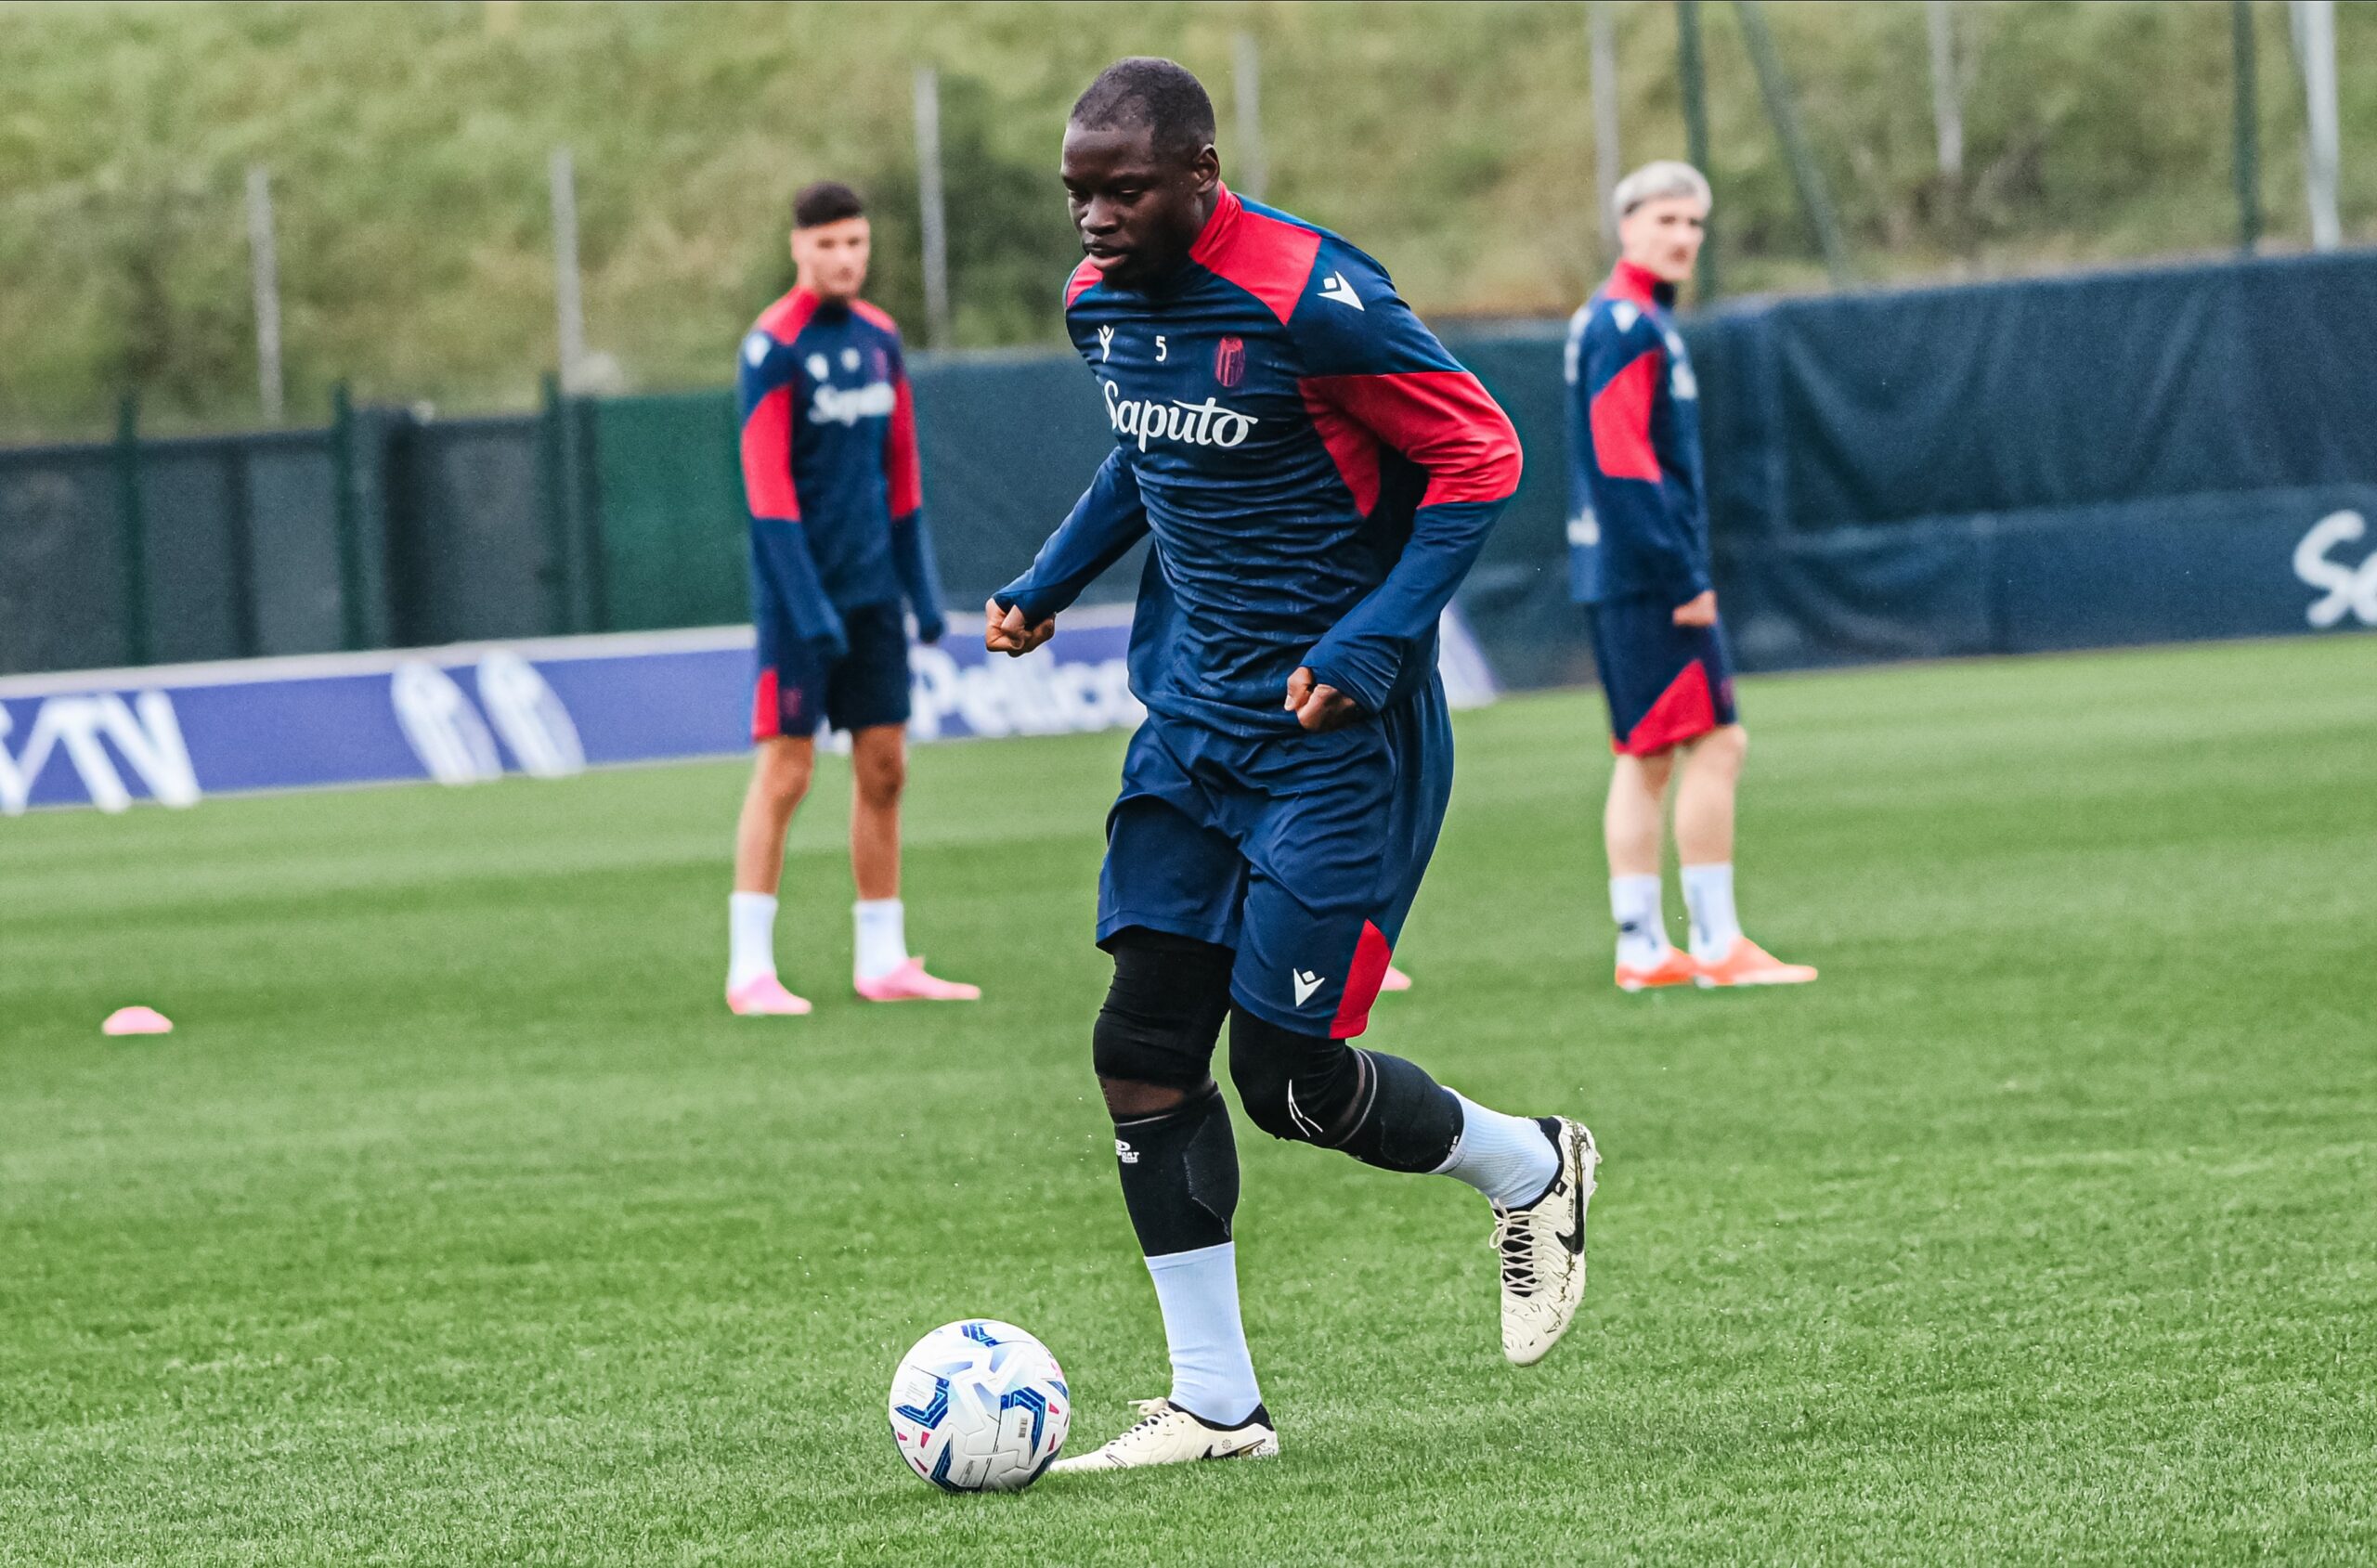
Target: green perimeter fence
x,y
2054,462
391,528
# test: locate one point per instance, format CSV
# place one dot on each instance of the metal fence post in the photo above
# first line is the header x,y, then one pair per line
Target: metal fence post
x,y
1947,92
1604,38
1806,178
933,213
586,506
1246,91
345,520
2248,159
2314,40
132,530
264,255
569,302
552,473
1696,132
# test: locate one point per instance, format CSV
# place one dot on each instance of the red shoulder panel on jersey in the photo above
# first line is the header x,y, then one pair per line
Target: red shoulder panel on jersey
x,y
1083,280
784,320
767,457
1267,259
1444,421
874,315
1621,420
902,471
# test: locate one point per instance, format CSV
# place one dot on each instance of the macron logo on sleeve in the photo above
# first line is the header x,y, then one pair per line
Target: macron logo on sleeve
x,y
1335,287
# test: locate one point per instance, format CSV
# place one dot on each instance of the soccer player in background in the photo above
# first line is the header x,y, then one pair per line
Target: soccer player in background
x,y
838,541
1637,542
1317,474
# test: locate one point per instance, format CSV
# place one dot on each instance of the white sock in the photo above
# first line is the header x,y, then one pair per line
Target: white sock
x,y
882,936
1641,925
1213,1373
1507,1158
750,937
1708,893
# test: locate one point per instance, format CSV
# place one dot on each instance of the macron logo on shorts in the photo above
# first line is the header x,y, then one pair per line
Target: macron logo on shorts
x,y
1307,983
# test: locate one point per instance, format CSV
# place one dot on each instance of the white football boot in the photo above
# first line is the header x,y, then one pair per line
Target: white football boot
x,y
1168,1435
1542,1250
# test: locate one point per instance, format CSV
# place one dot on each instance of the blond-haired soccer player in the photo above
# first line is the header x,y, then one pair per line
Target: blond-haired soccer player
x,y
1638,541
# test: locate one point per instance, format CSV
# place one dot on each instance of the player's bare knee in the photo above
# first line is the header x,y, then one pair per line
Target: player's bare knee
x,y
1127,1099
1724,747
784,776
881,780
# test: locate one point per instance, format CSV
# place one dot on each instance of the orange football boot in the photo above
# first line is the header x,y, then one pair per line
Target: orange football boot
x,y
1745,962
1676,968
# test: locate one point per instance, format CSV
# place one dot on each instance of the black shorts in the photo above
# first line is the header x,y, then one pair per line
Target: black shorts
x,y
865,687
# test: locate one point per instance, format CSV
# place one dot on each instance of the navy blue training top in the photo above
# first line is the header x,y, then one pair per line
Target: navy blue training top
x,y
831,471
1318,474
1638,526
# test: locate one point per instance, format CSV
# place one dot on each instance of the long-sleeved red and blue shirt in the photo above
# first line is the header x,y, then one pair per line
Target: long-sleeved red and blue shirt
x,y
1318,474
829,466
1638,523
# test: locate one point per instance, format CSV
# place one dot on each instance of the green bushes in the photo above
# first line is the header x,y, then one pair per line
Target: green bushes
x,y
408,148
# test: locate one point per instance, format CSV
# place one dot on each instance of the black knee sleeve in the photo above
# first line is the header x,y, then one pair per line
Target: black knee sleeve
x,y
1380,1109
1164,1010
1180,1174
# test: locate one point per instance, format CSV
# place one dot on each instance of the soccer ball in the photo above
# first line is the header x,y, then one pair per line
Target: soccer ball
x,y
980,1405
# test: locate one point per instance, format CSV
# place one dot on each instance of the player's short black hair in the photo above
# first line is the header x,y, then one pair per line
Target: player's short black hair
x,y
1159,94
825,201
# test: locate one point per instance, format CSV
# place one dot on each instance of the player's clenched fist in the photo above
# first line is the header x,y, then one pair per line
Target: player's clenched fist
x,y
1319,709
1698,610
1004,632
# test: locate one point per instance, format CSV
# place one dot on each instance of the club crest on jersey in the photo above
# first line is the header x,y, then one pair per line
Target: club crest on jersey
x,y
1194,424
1230,361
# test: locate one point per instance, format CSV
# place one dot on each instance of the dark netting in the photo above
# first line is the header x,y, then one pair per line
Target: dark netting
x,y
470,532
193,494
292,522
669,491
62,560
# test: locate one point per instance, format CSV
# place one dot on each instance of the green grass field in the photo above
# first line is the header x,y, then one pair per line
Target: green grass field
x,y
456,1223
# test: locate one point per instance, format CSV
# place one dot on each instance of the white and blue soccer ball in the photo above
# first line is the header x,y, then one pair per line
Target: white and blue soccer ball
x,y
980,1405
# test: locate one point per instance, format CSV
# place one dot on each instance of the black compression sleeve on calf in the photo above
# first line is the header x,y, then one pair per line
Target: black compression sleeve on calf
x,y
1180,1174
1380,1109
1413,1119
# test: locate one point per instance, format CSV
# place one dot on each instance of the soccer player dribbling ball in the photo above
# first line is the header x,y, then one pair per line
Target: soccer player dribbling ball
x,y
1639,556
1317,474
837,542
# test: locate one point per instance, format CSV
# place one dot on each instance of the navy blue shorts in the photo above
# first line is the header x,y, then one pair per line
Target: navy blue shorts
x,y
1666,683
1302,852
865,687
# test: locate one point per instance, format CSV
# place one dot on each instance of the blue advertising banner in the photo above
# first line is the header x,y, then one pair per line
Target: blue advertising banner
x,y
547,709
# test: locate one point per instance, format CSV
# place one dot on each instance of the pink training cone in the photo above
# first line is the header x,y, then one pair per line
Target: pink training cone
x,y
136,1020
